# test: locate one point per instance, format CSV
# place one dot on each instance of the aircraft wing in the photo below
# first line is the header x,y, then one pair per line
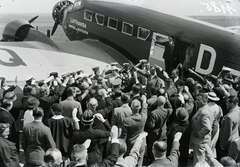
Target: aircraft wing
x,y
17,59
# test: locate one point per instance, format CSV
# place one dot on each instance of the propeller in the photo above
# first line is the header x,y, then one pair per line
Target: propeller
x,y
33,19
58,13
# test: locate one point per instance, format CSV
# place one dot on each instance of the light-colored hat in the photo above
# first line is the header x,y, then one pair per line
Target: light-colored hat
x,y
33,102
10,96
182,114
212,96
29,77
143,61
114,68
114,64
226,69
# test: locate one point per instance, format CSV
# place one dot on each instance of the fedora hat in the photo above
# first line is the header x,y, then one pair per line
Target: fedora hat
x,y
11,96
212,96
182,114
33,102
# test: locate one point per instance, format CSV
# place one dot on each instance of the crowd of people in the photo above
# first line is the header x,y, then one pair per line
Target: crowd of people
x,y
137,115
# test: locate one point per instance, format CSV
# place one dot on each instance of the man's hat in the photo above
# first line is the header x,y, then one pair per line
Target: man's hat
x,y
33,102
182,114
226,69
29,77
87,117
10,96
84,85
114,64
227,80
116,82
143,61
126,64
212,96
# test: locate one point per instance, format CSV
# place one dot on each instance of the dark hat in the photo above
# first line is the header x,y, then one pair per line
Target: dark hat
x,y
32,102
54,74
182,114
95,68
212,96
11,96
77,90
87,117
116,82
84,85
126,64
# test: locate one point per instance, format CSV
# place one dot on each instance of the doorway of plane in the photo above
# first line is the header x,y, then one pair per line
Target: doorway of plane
x,y
157,49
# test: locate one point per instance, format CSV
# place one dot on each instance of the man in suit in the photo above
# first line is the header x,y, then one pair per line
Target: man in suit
x,y
175,77
156,123
53,158
36,139
120,113
134,125
201,125
87,132
160,149
80,153
70,103
230,124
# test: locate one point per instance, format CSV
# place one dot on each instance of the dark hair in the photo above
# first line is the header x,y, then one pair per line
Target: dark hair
x,y
136,88
3,127
70,91
154,90
203,96
233,99
57,109
6,104
38,112
118,93
125,98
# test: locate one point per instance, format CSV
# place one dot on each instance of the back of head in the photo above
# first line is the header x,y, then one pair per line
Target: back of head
x,y
160,148
70,91
38,112
125,98
161,92
154,90
79,152
118,94
135,105
203,96
136,88
92,103
3,127
228,161
51,155
122,147
233,99
57,109
161,100
87,118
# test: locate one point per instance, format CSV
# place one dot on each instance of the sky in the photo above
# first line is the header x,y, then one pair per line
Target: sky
x,y
27,6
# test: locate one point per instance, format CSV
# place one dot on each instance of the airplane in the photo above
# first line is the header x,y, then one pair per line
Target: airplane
x,y
135,27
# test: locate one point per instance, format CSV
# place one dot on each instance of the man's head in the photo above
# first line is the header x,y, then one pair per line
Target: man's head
x,y
53,158
38,113
136,106
161,100
122,147
231,102
32,103
56,109
159,149
44,90
152,70
71,92
79,152
92,104
201,100
125,98
154,90
175,73
136,89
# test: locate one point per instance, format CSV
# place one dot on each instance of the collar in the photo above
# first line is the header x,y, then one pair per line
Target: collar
x,y
70,98
125,105
175,79
57,117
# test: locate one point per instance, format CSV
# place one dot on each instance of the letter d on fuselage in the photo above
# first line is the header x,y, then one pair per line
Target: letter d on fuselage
x,y
203,50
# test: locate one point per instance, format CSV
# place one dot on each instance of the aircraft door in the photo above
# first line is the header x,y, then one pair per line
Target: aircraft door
x,y
157,50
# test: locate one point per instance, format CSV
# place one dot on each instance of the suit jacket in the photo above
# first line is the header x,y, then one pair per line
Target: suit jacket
x,y
87,132
36,139
155,81
229,130
119,114
133,126
234,150
202,123
171,160
68,105
8,153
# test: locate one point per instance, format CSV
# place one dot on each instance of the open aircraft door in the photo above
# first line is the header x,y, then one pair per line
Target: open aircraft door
x,y
157,50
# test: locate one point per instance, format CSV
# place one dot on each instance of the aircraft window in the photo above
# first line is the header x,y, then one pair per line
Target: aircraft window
x,y
99,19
127,28
112,23
88,15
143,33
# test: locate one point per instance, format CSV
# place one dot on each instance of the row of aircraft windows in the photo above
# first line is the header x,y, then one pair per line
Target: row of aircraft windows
x,y
112,23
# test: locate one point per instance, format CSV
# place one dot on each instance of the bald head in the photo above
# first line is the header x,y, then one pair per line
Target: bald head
x,y
53,157
135,105
161,100
159,149
92,104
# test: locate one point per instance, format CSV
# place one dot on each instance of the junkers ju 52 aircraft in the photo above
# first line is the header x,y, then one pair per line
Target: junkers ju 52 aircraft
x,y
136,28
103,31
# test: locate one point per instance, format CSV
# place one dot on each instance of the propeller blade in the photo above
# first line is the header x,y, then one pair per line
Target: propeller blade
x,y
54,28
32,20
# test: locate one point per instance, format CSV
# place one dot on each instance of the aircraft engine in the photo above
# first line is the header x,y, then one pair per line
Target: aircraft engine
x,y
17,30
58,13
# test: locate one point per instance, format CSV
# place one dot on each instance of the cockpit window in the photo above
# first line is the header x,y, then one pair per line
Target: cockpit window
x,y
112,23
143,33
127,28
88,15
99,19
